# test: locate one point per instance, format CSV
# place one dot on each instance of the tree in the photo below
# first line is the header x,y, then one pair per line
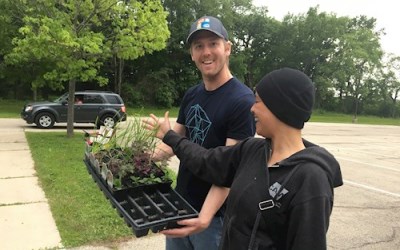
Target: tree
x,y
338,53
11,14
254,40
70,36
342,55
360,49
311,42
171,71
391,82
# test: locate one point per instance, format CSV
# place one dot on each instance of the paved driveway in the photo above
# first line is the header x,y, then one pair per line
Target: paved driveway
x,y
367,207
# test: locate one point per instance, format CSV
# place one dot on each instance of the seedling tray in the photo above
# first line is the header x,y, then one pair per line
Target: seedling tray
x,y
154,207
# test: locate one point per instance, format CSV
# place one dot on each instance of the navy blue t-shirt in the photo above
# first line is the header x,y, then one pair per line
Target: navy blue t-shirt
x,y
210,117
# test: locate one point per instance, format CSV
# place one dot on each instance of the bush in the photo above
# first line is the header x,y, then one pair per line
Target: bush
x,y
165,95
132,96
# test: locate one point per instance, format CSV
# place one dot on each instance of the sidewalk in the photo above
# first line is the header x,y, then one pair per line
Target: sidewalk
x,y
25,218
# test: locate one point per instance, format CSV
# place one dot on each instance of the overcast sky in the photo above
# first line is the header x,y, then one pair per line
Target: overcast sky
x,y
385,11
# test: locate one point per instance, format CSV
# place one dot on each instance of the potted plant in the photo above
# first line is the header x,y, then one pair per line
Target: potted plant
x,y
119,161
122,156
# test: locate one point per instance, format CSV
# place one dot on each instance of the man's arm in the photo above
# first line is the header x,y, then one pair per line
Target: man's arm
x,y
215,199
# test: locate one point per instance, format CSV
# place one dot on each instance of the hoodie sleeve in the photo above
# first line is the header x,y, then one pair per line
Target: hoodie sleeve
x,y
325,160
216,165
310,208
309,223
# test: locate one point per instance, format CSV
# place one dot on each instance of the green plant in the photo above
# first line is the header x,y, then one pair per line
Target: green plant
x,y
124,154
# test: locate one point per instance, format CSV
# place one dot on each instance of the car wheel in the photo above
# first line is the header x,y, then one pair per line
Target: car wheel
x,y
107,121
45,120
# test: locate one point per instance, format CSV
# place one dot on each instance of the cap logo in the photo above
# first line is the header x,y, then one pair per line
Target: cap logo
x,y
203,23
208,23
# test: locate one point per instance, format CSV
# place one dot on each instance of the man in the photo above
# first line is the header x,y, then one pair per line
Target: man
x,y
213,113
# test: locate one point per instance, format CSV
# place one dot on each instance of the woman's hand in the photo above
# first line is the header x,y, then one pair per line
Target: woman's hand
x,y
190,226
160,128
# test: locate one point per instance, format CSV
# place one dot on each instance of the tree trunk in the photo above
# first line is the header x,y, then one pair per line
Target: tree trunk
x,y
393,113
35,94
355,119
394,102
70,116
115,74
120,74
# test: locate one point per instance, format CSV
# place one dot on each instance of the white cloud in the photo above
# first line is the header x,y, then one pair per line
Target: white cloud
x,y
384,11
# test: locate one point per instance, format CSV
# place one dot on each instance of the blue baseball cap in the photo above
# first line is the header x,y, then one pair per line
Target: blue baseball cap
x,y
209,23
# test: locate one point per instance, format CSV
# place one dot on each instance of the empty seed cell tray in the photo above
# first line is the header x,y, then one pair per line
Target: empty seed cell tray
x,y
151,207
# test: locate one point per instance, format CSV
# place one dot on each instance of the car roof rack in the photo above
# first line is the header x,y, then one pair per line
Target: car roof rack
x,y
103,91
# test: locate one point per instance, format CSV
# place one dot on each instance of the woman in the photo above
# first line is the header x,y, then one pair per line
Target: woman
x,y
282,186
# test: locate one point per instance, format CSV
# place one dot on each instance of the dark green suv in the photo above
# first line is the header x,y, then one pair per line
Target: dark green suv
x,y
99,107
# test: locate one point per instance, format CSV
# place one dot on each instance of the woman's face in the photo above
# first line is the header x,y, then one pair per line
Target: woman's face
x,y
265,120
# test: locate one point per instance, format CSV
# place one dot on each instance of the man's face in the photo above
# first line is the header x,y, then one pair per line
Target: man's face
x,y
210,53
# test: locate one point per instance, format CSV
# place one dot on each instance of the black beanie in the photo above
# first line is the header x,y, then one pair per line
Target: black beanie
x,y
289,94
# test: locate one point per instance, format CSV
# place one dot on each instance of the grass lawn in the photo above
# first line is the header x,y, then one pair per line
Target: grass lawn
x,y
329,117
173,112
82,213
10,108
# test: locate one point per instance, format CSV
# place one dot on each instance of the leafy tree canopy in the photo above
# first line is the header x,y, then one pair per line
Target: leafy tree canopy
x,y
77,36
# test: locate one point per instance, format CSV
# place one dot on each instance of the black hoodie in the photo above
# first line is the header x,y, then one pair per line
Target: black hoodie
x,y
300,217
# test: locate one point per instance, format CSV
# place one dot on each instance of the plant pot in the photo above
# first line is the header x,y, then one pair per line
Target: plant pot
x,y
110,179
88,148
103,172
127,185
147,207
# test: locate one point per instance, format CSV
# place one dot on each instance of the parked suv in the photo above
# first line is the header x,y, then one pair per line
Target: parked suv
x,y
99,107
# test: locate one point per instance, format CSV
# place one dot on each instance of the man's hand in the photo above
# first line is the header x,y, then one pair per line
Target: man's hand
x,y
160,128
191,226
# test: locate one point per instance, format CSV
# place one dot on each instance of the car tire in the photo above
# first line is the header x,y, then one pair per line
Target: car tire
x,y
45,120
107,120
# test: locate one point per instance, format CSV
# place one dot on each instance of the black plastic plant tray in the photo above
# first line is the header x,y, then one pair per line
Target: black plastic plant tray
x,y
129,188
154,207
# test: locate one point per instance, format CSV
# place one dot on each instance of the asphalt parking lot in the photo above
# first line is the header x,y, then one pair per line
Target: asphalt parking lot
x,y
366,213
367,207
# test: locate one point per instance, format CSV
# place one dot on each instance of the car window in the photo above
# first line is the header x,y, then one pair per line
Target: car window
x,y
92,98
78,99
113,99
64,97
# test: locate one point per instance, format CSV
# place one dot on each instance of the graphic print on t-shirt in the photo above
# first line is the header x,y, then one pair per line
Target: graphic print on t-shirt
x,y
198,124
